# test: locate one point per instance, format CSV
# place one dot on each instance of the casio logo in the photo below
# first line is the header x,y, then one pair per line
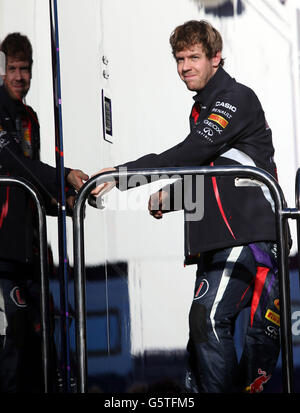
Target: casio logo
x,y
226,105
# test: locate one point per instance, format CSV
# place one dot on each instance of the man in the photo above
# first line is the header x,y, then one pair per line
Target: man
x,y
19,269
233,244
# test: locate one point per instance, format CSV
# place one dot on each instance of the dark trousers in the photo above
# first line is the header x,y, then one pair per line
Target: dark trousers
x,y
227,282
20,339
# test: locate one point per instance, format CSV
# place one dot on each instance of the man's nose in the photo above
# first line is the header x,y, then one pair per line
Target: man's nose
x,y
186,65
18,74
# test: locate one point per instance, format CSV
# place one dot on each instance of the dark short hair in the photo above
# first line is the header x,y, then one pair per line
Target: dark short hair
x,y
193,32
18,46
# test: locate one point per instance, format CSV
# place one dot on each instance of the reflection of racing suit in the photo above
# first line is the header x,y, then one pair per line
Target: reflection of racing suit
x,y
228,127
20,344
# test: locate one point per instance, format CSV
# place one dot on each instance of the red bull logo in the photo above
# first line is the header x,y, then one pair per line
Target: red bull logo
x,y
257,385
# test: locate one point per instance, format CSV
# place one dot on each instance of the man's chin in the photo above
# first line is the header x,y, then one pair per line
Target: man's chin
x,y
17,94
193,87
190,86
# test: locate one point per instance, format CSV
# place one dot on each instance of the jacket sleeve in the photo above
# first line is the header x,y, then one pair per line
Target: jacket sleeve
x,y
213,134
40,174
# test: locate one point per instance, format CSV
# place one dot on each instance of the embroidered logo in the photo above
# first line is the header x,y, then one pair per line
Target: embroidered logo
x,y
273,317
218,119
202,289
3,141
15,295
257,385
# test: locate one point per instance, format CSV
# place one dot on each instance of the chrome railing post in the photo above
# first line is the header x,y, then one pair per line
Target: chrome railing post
x,y
44,295
281,215
297,204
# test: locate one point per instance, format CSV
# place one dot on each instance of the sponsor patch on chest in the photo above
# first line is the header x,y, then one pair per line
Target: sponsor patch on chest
x,y
218,119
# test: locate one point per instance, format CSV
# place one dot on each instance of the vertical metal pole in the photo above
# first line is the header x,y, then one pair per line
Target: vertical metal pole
x,y
45,311
297,204
62,242
44,294
285,305
80,296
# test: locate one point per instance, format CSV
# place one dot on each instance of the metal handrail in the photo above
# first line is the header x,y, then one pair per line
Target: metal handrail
x,y
281,216
45,323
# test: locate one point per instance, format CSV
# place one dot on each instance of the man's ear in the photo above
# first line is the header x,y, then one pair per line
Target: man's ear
x,y
217,59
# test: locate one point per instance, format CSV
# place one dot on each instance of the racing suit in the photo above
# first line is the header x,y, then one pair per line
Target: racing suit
x,y
233,244
20,341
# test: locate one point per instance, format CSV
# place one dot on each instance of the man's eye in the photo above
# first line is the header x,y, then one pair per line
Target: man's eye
x,y
195,58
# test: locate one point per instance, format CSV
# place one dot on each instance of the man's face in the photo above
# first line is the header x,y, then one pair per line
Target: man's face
x,y
194,67
17,78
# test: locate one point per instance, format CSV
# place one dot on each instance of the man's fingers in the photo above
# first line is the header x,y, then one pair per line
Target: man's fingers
x,y
157,214
155,204
103,188
71,201
106,186
76,178
82,175
98,189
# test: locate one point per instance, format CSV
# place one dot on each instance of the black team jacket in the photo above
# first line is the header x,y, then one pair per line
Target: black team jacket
x,y
18,159
228,127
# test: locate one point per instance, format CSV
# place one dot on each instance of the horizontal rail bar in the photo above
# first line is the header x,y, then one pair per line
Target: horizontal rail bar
x,y
291,213
237,171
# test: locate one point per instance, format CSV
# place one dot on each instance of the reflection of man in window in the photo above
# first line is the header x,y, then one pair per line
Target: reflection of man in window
x,y
20,358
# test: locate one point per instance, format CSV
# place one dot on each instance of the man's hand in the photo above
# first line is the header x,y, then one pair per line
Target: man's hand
x,y
70,202
156,203
105,186
76,178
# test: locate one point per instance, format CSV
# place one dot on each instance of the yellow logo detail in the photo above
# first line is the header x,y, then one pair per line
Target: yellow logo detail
x,y
273,317
218,119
